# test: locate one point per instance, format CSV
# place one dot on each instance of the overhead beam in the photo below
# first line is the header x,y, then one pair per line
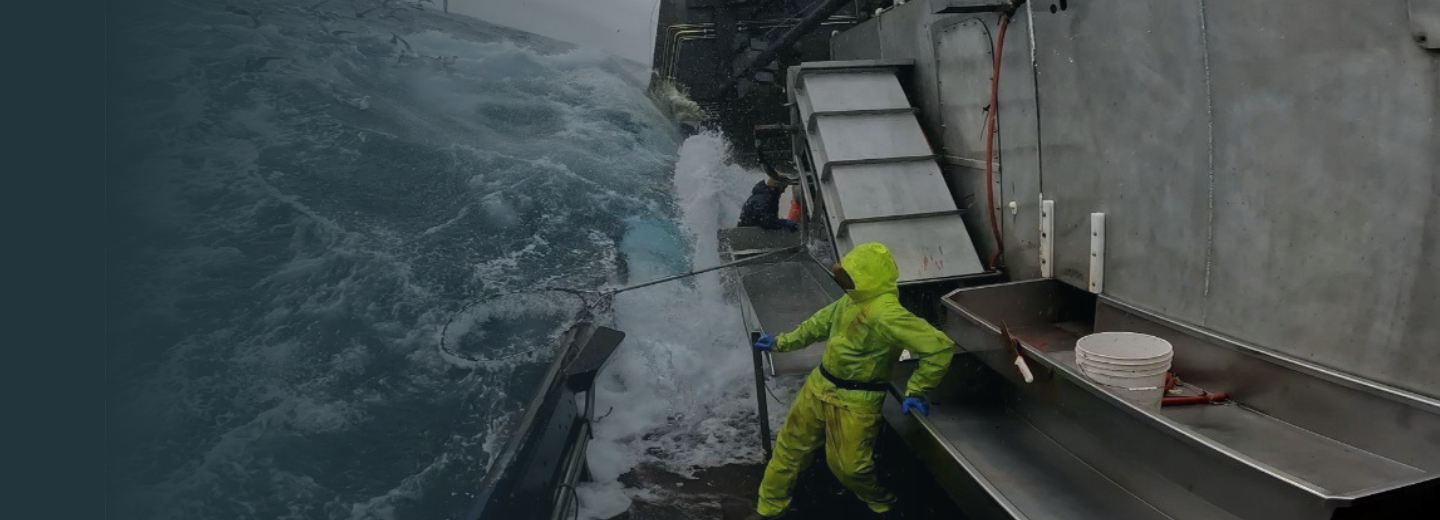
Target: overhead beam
x,y
970,6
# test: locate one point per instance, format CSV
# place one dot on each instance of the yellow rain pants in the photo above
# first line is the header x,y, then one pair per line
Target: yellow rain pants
x,y
865,329
849,440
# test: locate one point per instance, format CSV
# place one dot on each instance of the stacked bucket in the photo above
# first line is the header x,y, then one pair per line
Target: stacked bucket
x,y
1129,364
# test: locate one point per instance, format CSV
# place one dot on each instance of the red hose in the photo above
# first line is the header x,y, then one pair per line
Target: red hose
x,y
991,121
1193,399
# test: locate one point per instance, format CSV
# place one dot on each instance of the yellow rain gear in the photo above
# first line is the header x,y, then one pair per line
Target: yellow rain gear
x,y
866,330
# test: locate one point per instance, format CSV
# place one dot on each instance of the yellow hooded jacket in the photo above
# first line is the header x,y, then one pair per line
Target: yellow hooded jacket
x,y
866,329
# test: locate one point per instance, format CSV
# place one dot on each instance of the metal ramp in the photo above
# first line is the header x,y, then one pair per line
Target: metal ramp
x,y
877,178
775,296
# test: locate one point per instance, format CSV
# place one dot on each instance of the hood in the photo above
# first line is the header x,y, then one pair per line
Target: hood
x,y
763,188
872,269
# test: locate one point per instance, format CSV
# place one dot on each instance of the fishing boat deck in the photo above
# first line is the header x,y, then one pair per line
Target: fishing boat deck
x,y
729,492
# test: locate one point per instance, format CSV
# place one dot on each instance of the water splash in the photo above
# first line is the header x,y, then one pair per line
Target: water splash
x,y
679,391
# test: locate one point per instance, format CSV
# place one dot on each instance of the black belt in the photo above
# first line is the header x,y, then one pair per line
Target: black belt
x,y
846,384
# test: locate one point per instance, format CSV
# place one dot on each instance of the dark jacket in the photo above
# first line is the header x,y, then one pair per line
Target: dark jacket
x,y
762,209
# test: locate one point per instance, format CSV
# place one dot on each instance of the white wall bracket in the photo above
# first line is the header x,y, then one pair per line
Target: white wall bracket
x,y
1425,23
1047,238
1097,252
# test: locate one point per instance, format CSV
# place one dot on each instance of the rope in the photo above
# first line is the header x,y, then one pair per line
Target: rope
x,y
585,296
574,497
445,331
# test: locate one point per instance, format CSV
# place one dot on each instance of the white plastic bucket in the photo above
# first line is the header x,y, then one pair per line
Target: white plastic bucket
x,y
1129,364
1125,361
1124,346
1161,364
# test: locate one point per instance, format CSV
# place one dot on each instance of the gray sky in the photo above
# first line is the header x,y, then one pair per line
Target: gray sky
x,y
622,27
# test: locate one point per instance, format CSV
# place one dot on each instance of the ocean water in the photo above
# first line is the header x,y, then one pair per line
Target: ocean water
x,y
305,194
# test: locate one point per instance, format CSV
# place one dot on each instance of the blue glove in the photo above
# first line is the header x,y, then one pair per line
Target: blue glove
x,y
915,403
765,342
787,224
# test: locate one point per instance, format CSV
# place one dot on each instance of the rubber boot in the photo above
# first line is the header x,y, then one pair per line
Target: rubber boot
x,y
755,515
896,512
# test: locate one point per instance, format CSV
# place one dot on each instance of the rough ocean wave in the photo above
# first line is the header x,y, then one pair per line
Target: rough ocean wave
x,y
306,193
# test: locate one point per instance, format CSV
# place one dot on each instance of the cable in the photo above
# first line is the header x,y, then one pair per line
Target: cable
x,y
589,306
1035,84
736,263
772,393
994,120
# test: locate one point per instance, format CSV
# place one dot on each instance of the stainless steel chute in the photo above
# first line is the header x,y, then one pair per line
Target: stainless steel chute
x,y
877,175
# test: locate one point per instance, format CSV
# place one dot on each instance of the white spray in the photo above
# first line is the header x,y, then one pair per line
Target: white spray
x,y
679,393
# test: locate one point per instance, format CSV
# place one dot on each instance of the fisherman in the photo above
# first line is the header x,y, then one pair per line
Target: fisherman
x,y
839,404
762,209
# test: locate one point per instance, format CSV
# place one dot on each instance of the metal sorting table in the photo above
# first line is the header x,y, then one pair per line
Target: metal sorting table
x,y
776,295
782,295
1298,441
977,428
